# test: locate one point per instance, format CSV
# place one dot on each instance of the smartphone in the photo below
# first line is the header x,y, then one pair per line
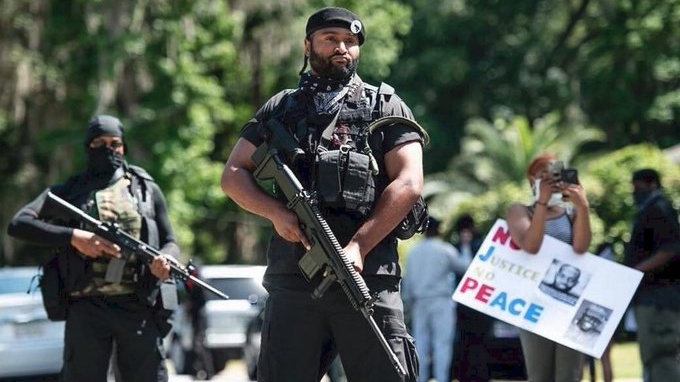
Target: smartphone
x,y
570,175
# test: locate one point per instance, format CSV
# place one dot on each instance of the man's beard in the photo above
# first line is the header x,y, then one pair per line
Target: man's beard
x,y
325,68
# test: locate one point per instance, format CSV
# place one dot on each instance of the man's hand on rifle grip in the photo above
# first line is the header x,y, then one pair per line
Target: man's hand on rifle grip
x,y
287,225
160,267
93,246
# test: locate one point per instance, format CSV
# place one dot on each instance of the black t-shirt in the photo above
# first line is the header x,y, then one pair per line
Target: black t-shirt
x,y
283,256
656,227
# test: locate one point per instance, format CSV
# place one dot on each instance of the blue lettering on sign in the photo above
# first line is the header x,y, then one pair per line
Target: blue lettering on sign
x,y
500,301
533,313
516,307
513,306
488,254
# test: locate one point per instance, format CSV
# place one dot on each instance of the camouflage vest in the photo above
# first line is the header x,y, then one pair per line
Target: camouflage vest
x,y
115,204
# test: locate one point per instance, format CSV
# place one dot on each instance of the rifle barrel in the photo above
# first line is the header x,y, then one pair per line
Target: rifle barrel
x,y
114,234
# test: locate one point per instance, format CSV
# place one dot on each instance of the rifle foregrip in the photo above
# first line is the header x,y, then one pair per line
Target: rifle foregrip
x,y
365,295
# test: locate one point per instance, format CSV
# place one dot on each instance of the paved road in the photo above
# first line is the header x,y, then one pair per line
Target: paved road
x,y
234,372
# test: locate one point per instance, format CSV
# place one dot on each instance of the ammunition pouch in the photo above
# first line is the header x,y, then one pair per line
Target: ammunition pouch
x,y
345,180
165,305
415,221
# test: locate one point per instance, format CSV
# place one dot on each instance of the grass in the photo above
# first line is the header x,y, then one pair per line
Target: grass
x,y
625,363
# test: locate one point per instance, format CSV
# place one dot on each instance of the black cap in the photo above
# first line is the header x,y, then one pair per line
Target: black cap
x,y
103,125
330,17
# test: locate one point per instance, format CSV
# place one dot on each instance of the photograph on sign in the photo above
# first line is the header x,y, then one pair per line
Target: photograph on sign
x,y
564,282
586,326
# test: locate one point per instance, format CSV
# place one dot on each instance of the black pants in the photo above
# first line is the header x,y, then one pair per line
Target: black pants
x,y
301,336
92,326
471,345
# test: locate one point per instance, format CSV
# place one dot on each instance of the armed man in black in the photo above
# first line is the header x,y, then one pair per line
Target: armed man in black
x,y
107,298
366,177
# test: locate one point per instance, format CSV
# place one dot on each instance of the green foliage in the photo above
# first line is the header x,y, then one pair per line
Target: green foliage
x,y
493,82
607,181
194,48
493,153
610,194
183,76
504,149
609,64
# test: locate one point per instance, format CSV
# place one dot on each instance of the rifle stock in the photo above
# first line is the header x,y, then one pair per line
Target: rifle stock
x,y
326,254
127,243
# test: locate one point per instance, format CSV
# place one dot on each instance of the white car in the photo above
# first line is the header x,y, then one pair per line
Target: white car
x,y
30,344
226,321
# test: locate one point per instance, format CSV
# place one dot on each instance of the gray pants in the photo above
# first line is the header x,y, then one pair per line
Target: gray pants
x,y
659,340
548,361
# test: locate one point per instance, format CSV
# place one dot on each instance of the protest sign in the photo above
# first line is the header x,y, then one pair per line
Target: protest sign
x,y
574,299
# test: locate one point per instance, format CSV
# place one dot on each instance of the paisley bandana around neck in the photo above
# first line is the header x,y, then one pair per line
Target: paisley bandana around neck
x,y
313,83
328,93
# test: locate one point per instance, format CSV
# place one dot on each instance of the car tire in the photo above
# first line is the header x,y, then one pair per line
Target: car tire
x,y
219,358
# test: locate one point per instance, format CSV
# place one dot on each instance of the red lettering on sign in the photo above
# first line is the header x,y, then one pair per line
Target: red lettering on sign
x,y
469,284
484,293
502,236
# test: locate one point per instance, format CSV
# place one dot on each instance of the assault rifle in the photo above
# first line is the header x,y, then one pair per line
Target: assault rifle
x,y
128,245
326,255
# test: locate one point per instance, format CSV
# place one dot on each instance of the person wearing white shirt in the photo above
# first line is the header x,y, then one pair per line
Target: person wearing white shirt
x,y
428,286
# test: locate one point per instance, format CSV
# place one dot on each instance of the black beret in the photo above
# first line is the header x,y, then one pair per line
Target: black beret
x,y
330,17
103,125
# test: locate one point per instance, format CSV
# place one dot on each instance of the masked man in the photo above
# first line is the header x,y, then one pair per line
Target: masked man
x,y
108,299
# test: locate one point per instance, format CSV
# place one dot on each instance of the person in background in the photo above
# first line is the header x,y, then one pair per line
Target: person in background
x,y
605,251
431,268
127,311
200,361
546,360
654,248
366,181
473,327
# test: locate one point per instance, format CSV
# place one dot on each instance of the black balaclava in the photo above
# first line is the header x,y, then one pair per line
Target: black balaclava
x,y
103,161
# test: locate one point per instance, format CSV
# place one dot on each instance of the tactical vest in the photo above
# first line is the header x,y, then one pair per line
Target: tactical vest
x,y
340,165
128,201
115,204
